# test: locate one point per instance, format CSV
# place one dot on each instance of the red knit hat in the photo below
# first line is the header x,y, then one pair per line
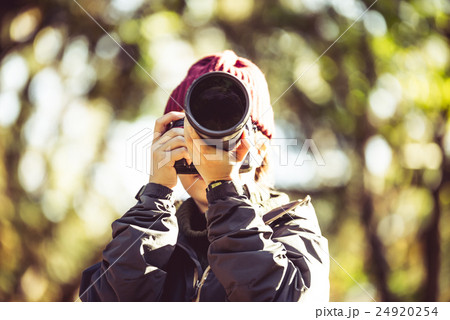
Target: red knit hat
x,y
247,71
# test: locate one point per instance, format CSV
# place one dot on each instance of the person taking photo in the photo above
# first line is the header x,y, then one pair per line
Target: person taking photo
x,y
235,238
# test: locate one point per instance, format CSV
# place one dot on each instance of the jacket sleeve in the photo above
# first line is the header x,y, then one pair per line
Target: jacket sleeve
x,y
133,266
255,262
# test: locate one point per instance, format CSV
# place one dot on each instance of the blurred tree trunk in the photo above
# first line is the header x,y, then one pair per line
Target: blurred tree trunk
x,y
431,238
376,263
431,251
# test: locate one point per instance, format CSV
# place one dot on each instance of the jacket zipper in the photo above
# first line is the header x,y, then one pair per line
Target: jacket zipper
x,y
195,282
201,283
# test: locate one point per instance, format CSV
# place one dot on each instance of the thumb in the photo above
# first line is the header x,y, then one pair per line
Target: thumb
x,y
243,147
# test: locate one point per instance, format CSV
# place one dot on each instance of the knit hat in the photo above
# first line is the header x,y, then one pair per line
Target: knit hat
x,y
227,61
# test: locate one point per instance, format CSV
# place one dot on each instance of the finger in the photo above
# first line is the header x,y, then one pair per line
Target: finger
x,y
178,154
162,122
187,134
242,147
168,158
175,142
194,141
174,132
189,131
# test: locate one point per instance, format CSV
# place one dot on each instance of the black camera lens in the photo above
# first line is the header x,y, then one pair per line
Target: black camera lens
x,y
217,104
218,107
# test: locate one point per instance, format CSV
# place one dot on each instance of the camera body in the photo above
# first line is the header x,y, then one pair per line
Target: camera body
x,y
217,106
181,166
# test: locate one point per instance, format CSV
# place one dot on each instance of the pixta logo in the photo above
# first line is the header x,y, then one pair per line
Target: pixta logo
x,y
139,152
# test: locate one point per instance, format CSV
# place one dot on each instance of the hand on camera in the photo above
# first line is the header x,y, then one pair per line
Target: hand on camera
x,y
214,164
167,147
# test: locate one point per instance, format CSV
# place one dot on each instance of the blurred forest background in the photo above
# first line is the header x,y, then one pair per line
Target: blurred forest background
x,y
375,103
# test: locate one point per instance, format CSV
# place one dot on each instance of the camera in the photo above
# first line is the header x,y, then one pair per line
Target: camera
x,y
217,106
